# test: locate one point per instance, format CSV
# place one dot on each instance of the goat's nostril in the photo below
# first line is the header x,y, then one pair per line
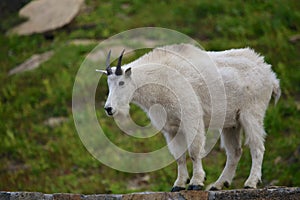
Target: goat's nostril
x,y
108,110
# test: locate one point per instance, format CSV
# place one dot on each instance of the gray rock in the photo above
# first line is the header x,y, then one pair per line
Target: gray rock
x,y
26,196
83,42
4,196
103,197
45,15
274,193
65,196
55,121
99,53
32,63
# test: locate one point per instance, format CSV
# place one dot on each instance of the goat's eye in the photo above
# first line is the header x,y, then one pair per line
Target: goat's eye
x,y
121,83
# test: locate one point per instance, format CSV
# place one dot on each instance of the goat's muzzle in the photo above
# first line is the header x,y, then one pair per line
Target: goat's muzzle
x,y
109,111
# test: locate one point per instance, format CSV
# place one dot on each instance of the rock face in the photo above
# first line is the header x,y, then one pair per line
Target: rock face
x,y
45,15
277,193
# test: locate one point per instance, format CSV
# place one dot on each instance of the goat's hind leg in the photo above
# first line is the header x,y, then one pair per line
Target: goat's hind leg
x,y
231,141
255,134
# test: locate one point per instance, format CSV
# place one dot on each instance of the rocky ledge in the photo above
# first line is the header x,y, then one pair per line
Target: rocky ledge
x,y
278,193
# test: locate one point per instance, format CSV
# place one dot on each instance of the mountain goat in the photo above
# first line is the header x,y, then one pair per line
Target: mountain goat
x,y
249,84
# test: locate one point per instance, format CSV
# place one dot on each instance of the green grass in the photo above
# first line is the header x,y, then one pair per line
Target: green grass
x,y
35,157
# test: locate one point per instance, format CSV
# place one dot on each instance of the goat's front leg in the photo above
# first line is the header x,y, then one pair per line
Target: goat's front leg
x,y
177,148
182,174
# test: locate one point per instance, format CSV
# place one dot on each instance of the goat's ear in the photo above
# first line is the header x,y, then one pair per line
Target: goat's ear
x,y
101,71
128,72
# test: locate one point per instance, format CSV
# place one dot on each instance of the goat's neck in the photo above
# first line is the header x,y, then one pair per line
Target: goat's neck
x,y
145,95
143,98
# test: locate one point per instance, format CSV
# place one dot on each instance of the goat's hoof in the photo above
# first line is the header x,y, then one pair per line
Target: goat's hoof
x,y
188,181
177,189
195,187
213,188
248,187
226,184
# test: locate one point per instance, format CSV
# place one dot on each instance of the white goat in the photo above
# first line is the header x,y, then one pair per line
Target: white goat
x,y
249,84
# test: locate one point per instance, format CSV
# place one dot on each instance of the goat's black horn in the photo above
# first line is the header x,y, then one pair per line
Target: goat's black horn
x,y
108,68
119,70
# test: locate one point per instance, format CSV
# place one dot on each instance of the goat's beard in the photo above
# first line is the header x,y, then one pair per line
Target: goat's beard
x,y
122,115
124,121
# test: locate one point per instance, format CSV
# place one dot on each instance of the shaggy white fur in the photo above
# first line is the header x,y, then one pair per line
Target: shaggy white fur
x,y
179,78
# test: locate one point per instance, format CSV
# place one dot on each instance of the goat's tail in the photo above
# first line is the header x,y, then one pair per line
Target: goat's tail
x,y
276,90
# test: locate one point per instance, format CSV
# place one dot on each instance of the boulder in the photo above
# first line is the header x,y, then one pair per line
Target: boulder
x,y
45,15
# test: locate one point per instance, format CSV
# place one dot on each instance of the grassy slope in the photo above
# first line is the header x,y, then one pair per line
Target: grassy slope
x,y
35,157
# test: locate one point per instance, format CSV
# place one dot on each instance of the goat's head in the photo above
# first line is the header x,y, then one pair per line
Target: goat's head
x,y
120,87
